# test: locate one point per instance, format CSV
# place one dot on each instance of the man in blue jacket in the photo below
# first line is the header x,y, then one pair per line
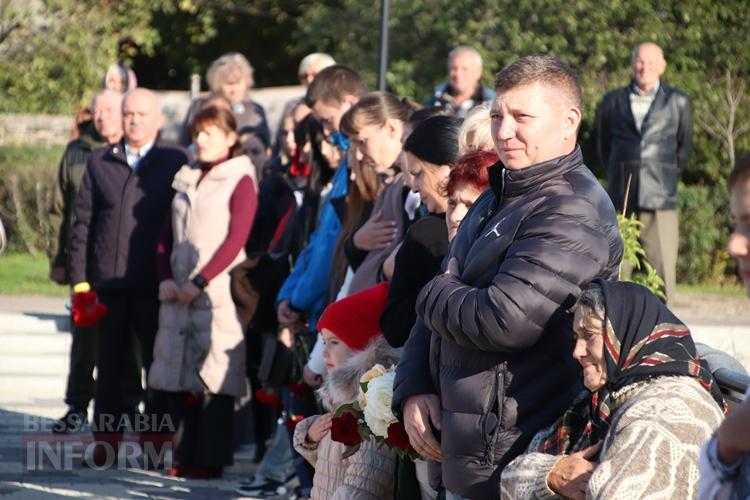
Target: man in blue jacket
x,y
305,292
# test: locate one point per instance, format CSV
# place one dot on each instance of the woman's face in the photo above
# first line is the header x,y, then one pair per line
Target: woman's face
x,y
463,197
589,347
287,137
213,143
113,81
381,145
335,352
234,91
428,181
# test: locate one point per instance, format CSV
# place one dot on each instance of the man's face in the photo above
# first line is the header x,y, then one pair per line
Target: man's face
x,y
464,72
141,118
108,116
329,113
739,241
532,124
648,66
306,78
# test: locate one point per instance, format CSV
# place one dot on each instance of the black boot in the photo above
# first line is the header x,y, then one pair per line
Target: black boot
x,y
73,421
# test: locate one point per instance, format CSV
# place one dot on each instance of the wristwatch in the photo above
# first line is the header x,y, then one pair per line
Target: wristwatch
x,y
200,281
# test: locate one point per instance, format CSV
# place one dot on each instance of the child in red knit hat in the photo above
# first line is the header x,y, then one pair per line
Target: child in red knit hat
x,y
350,329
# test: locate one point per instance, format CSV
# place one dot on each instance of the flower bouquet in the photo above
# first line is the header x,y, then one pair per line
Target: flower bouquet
x,y
370,416
86,309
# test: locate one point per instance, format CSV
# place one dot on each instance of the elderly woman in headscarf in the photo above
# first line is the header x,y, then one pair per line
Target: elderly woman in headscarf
x,y
650,404
231,77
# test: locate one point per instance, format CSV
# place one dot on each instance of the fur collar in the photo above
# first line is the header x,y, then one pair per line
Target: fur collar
x,y
342,384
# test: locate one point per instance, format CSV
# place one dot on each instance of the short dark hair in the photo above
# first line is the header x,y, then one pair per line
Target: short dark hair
x,y
740,172
541,68
435,140
333,84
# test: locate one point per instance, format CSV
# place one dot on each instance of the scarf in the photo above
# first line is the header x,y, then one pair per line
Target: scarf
x,y
642,340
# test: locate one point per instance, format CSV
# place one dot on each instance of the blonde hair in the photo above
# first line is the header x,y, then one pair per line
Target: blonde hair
x,y
229,68
375,108
476,133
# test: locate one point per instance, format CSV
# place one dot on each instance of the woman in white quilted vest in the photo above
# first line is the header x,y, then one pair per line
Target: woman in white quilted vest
x,y
199,354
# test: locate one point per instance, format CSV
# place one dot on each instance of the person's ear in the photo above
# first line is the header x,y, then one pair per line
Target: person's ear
x,y
394,128
160,120
232,138
351,100
571,121
662,66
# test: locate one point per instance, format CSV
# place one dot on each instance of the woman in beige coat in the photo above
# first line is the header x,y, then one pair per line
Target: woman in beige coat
x,y
353,345
199,353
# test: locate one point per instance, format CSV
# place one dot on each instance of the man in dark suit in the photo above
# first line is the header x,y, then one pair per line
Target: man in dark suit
x,y
644,136
124,199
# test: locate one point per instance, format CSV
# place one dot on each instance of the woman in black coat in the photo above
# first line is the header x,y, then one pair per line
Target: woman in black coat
x,y
448,186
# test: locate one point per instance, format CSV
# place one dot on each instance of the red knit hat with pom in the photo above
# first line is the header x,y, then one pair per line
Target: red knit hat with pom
x,y
355,319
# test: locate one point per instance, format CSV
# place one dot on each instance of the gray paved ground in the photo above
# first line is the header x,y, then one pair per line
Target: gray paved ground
x,y
33,370
34,364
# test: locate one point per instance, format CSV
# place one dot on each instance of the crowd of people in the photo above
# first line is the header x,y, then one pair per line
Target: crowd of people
x,y
464,242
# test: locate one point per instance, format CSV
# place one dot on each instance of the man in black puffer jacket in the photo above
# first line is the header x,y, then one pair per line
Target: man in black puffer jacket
x,y
500,334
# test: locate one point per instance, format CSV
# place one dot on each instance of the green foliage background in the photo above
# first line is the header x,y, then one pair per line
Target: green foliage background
x,y
53,54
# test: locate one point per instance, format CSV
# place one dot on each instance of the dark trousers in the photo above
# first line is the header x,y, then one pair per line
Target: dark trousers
x,y
81,385
80,389
125,344
300,404
204,426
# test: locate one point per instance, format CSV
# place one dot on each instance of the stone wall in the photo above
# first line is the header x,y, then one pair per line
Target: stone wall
x,y
24,129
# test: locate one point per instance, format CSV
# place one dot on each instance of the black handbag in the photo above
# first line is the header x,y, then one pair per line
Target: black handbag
x,y
281,365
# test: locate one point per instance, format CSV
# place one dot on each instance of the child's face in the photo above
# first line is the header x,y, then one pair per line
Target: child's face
x,y
335,352
739,240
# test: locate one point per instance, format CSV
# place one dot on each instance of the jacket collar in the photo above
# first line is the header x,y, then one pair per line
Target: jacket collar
x,y
117,152
515,182
634,89
89,138
446,91
626,111
188,176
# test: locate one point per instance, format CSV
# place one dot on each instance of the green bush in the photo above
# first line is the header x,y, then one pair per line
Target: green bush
x,y
704,229
634,255
27,180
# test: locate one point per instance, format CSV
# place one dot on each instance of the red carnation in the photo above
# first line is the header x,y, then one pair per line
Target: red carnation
x,y
86,309
345,429
292,421
267,398
397,437
298,389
